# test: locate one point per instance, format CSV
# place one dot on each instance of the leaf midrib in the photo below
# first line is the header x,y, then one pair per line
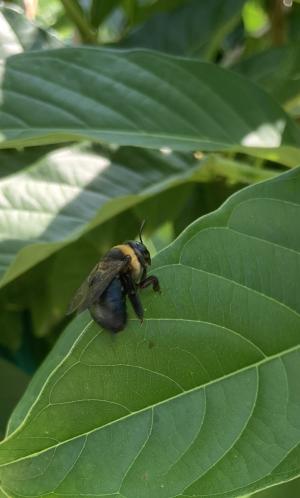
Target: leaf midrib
x,y
139,133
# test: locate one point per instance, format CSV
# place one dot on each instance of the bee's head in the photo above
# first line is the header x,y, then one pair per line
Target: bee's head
x,y
140,249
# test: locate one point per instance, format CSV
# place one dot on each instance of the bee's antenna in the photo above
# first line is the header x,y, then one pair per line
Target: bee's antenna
x,y
141,230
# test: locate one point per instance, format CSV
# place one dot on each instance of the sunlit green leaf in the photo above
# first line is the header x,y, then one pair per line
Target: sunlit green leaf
x,y
255,17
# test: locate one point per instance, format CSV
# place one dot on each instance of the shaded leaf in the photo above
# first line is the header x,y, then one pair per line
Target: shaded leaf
x,y
204,198
278,71
195,27
14,160
12,386
10,328
203,399
139,98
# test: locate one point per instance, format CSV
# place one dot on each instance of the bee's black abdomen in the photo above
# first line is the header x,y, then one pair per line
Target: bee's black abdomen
x,y
110,311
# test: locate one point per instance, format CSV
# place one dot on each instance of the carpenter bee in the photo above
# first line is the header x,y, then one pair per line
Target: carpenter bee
x,y
120,273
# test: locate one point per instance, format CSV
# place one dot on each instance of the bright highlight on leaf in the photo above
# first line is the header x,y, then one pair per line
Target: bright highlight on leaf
x,y
203,399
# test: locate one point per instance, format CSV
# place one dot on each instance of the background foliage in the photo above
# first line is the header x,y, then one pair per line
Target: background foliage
x,y
121,124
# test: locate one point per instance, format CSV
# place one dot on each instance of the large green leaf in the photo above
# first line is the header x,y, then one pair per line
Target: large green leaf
x,y
195,27
139,98
203,399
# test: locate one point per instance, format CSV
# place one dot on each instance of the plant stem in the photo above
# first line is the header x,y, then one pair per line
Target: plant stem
x,y
233,171
76,14
278,25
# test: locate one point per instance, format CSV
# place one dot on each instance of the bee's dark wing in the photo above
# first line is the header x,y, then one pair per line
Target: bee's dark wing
x,y
79,298
96,283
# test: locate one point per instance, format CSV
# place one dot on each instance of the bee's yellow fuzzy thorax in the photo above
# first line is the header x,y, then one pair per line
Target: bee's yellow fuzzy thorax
x,y
134,264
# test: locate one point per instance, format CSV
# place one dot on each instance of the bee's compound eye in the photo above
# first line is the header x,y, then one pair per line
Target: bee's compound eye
x,y
142,250
145,253
147,257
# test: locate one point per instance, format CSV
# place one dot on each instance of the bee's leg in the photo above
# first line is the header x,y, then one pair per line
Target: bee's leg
x,y
144,274
152,280
131,291
137,306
